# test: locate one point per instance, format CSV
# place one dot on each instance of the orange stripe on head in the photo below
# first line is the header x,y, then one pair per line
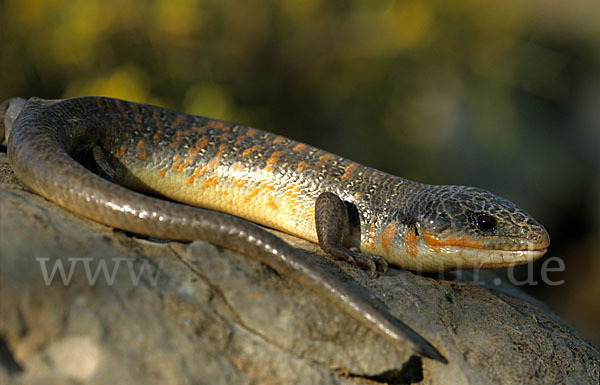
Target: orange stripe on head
x,y
278,139
162,173
388,236
436,244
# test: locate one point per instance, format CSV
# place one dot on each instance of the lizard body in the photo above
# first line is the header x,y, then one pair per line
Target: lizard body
x,y
263,178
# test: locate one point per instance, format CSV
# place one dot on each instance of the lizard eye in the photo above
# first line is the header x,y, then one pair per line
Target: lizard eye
x,y
485,222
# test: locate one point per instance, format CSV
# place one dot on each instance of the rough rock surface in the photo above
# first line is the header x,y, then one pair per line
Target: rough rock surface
x,y
177,313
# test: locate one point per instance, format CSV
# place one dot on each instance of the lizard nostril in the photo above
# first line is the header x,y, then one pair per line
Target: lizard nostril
x,y
539,238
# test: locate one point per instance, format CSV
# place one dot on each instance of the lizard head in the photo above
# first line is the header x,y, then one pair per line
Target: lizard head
x,y
465,227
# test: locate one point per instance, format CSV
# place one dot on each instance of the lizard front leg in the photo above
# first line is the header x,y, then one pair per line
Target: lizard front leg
x,y
332,220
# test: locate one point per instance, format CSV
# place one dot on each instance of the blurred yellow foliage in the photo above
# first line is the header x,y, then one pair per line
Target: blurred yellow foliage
x,y
208,100
176,18
124,82
300,10
403,25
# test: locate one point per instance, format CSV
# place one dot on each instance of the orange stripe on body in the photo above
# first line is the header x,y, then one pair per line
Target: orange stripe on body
x,y
302,165
265,186
388,236
248,134
156,117
271,203
411,241
202,142
176,161
272,160
178,121
213,164
192,152
292,190
224,137
250,150
291,193
212,181
200,129
436,244
322,160
237,182
141,150
218,124
370,242
195,175
348,170
121,107
240,182
299,147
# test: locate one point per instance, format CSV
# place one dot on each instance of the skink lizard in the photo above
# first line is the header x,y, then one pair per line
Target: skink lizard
x,y
353,212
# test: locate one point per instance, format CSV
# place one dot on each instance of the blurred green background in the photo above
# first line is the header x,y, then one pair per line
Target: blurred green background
x,y
503,95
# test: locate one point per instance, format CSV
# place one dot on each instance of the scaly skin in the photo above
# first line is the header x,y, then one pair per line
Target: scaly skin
x,y
264,178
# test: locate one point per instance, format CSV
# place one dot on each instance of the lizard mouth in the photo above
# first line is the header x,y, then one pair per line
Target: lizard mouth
x,y
493,258
468,253
534,242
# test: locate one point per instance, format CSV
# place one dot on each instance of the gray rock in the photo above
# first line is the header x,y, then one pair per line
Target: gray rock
x,y
191,313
